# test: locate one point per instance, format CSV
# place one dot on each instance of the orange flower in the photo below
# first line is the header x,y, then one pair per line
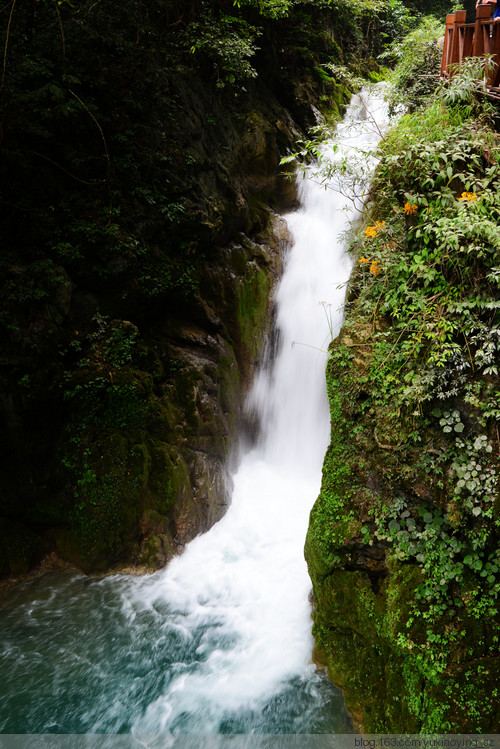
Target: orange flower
x,y
364,260
372,231
408,208
375,267
468,196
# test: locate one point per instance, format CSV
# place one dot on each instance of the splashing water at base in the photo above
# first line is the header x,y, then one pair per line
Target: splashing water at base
x,y
219,641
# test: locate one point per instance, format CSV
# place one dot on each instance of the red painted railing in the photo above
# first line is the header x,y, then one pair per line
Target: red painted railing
x,y
472,40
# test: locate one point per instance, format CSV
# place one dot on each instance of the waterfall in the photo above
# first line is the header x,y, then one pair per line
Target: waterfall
x,y
219,641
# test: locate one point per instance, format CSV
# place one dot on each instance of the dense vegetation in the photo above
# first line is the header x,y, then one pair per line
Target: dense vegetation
x,y
403,545
140,155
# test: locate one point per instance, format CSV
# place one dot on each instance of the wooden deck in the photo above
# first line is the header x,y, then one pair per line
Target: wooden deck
x,y
463,40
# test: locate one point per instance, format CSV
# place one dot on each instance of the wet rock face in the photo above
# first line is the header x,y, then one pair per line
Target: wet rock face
x,y
138,460
213,373
125,457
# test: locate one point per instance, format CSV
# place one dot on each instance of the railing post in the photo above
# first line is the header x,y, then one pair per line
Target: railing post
x,y
448,35
459,22
494,75
481,45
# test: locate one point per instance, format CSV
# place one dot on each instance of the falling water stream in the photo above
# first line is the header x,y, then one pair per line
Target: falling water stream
x,y
219,642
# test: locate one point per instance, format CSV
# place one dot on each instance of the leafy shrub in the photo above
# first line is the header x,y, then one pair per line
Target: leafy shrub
x,y
228,42
418,60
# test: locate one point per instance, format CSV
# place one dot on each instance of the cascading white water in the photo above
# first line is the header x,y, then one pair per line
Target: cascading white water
x,y
247,578
219,641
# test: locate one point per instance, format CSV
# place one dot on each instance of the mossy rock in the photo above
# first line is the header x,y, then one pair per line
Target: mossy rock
x,y
169,480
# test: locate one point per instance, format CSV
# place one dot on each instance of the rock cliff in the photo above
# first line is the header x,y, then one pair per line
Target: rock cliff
x,y
141,245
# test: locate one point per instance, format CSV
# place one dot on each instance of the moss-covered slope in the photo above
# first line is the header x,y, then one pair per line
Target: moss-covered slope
x,y
403,544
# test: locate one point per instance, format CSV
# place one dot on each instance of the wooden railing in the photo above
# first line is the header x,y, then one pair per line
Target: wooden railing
x,y
463,40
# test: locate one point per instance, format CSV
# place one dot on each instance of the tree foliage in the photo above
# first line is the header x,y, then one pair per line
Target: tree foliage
x,y
418,58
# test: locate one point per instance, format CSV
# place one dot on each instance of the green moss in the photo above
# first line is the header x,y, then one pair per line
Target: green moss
x,y
253,301
379,75
106,513
399,589
152,551
169,479
140,464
